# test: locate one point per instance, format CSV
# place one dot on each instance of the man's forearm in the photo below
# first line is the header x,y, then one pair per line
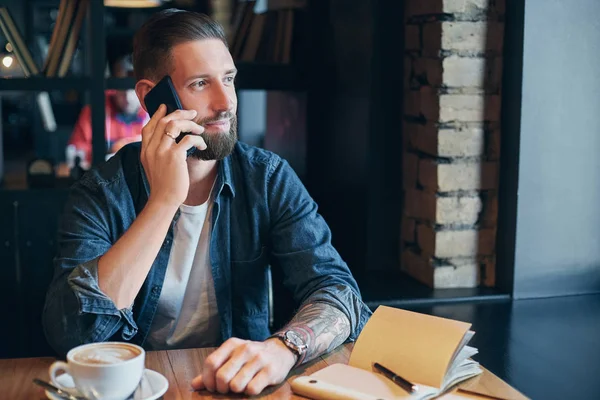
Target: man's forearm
x,y
322,326
122,270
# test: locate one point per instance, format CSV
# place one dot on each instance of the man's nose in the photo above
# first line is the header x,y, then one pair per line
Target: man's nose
x,y
221,99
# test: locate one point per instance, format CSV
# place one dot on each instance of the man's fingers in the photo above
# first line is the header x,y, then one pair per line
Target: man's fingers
x,y
217,359
177,115
190,141
148,129
175,128
239,383
259,382
161,126
161,111
231,368
198,383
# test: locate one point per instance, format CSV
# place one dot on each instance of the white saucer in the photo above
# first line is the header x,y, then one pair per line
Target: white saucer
x,y
154,385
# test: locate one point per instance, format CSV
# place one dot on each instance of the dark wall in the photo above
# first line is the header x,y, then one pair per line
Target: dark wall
x,y
558,207
354,130
28,226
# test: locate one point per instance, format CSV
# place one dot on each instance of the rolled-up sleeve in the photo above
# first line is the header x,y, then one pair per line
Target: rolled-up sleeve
x,y
301,246
76,310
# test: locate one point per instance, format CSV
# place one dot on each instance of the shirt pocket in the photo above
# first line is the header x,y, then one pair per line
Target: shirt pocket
x,y
249,258
250,281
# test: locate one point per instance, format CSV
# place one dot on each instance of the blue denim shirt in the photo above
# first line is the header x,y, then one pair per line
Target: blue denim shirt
x,y
262,215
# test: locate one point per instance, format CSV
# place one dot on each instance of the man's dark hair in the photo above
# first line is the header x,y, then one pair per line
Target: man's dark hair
x,y
164,30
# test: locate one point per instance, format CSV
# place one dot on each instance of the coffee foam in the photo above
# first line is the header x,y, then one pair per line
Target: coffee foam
x,y
105,354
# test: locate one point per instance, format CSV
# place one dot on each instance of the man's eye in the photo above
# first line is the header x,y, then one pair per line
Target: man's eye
x,y
199,84
229,79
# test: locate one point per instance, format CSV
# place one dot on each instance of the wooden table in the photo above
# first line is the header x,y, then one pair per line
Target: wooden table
x,y
180,366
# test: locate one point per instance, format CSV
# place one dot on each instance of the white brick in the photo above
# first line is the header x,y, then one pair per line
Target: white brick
x,y
455,210
420,267
456,107
455,243
458,176
467,176
463,107
464,71
470,6
445,244
464,276
470,36
461,143
461,6
465,35
421,7
464,142
458,210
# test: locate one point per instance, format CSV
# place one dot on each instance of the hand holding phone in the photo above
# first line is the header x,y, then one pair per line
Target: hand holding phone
x,y
164,93
163,158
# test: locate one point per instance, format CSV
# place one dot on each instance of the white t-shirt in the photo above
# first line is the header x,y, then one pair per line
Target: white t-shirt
x,y
187,314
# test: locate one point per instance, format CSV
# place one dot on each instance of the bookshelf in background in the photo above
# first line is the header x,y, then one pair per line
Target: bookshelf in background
x,y
268,34
64,74
17,41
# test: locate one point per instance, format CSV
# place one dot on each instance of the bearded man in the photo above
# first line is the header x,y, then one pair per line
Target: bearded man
x,y
168,251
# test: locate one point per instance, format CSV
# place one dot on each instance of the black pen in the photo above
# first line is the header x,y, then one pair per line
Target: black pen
x,y
397,379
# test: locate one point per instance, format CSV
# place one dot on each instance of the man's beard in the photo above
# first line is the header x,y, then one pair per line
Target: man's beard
x,y
218,145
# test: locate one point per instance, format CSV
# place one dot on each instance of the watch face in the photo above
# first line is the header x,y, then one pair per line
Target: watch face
x,y
295,339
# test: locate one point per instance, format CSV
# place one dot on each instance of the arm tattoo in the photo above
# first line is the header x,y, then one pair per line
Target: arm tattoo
x,y
322,326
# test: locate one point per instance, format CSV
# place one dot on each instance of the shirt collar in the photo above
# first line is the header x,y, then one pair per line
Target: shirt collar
x,y
225,177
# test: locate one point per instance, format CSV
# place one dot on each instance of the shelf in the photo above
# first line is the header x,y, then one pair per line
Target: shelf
x,y
399,290
251,76
45,84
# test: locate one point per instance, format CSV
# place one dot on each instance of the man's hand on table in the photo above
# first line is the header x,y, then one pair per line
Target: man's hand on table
x,y
245,366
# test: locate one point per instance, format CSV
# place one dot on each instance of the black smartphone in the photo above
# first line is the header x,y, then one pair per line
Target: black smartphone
x,y
164,93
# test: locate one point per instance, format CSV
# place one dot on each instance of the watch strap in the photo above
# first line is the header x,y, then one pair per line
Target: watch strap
x,y
301,355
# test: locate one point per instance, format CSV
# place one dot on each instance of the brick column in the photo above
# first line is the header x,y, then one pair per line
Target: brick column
x,y
453,64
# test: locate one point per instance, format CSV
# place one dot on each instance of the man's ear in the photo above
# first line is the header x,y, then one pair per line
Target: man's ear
x,y
142,87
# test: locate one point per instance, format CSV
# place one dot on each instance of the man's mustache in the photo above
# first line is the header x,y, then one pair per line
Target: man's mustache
x,y
220,117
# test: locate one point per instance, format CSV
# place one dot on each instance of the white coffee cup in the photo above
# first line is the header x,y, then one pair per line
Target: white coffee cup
x,y
103,371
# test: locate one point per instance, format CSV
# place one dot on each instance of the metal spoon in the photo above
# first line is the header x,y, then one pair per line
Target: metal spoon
x,y
60,393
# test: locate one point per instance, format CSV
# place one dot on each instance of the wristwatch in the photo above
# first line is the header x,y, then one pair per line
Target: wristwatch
x,y
294,342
